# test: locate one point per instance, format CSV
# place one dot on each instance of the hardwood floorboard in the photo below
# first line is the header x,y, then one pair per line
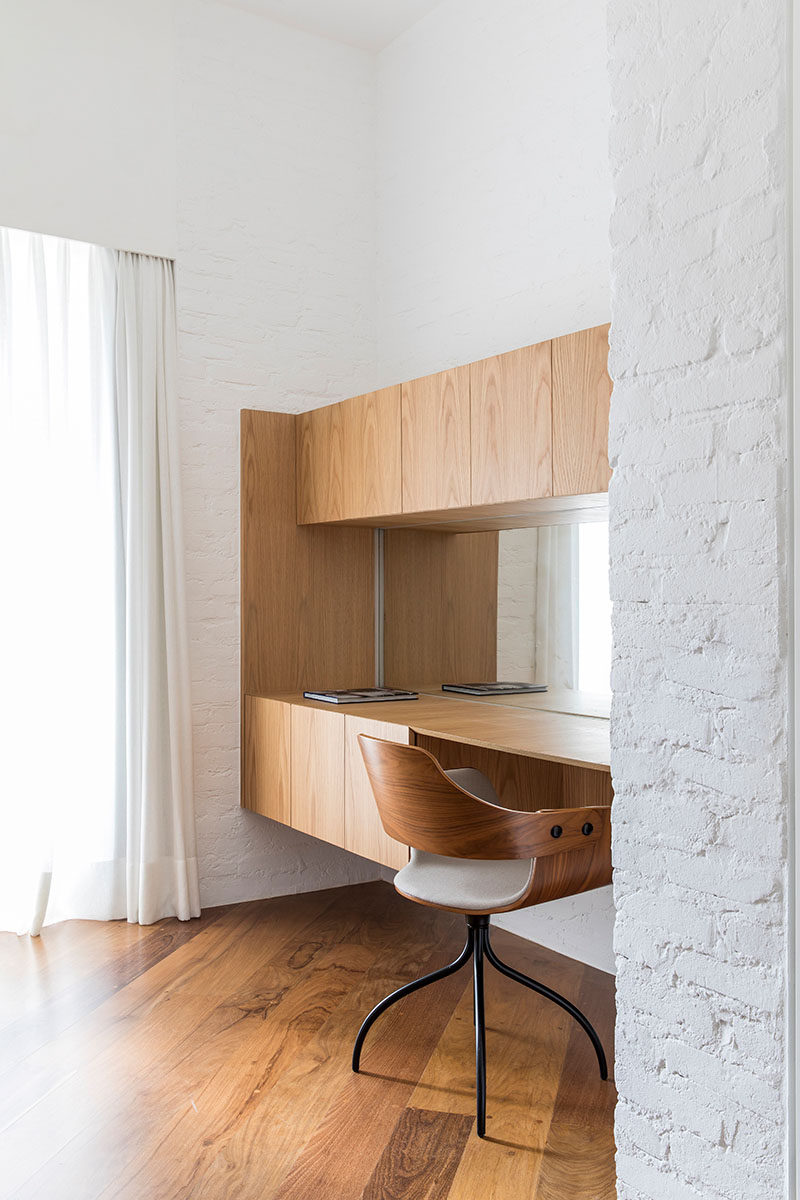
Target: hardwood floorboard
x,y
211,1061
57,1010
421,1157
582,1124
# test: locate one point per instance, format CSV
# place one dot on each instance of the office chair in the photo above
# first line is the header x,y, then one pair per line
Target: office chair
x,y
472,856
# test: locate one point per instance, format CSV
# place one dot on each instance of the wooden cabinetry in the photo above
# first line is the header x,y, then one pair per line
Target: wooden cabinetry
x,y
511,426
349,460
363,832
303,767
267,789
317,773
436,441
581,398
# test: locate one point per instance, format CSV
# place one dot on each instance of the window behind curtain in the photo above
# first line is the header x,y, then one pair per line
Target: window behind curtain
x,y
59,543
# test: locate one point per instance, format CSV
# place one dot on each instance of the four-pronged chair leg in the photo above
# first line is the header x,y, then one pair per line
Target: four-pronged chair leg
x,y
479,948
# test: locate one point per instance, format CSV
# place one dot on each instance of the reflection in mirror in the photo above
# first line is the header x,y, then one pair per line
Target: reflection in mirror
x,y
554,613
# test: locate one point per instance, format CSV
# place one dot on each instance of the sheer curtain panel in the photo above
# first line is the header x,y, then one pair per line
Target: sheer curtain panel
x,y
161,859
96,812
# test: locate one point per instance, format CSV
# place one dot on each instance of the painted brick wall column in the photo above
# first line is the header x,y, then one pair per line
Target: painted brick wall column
x,y
698,545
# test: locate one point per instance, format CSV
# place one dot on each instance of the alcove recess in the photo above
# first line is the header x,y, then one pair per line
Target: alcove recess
x,y
439,463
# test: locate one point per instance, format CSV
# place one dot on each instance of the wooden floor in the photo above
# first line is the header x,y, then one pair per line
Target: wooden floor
x,y
211,1060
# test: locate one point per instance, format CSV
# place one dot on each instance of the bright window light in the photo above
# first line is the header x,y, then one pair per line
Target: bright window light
x,y
594,609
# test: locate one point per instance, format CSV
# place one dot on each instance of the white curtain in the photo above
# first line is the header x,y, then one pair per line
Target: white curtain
x,y
96,813
537,605
556,606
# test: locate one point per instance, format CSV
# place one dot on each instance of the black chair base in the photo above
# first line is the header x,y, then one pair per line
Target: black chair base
x,y
478,947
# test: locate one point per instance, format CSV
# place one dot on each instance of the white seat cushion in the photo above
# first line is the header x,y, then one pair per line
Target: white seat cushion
x,y
468,884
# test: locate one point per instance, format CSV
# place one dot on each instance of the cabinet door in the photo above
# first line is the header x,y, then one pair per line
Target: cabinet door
x,y
364,833
318,773
511,426
267,766
320,463
348,459
581,398
436,443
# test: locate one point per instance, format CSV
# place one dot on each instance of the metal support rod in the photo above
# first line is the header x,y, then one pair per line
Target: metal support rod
x,y
481,935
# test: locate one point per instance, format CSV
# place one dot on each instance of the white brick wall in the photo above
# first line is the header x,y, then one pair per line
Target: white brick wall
x,y
698,536
275,291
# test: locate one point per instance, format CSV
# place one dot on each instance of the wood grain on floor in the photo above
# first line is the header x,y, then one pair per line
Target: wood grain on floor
x,y
210,1060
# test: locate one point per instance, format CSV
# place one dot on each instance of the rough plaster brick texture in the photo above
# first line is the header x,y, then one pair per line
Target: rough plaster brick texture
x,y
275,293
698,529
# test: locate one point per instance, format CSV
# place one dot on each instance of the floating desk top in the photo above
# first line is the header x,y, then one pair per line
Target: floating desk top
x,y
558,700
533,733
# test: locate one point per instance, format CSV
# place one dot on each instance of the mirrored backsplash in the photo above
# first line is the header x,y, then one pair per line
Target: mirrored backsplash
x,y
553,607
550,607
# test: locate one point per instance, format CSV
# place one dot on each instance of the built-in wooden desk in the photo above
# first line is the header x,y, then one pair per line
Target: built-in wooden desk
x,y
303,765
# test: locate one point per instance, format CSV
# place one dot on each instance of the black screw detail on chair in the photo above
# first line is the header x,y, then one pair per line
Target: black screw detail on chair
x,y
479,948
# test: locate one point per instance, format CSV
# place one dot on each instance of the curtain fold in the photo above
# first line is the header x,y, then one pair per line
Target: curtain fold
x,y
556,606
161,857
96,808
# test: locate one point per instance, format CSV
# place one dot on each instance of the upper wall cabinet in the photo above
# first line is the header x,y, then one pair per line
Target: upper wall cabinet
x,y
511,431
581,397
348,459
436,441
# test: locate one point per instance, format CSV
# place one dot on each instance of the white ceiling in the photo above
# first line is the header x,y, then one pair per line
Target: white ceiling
x,y
370,24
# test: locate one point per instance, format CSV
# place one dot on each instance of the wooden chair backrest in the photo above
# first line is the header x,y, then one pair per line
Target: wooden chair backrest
x,y
421,806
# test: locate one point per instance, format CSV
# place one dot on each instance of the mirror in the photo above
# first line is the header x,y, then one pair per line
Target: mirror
x,y
554,615
530,604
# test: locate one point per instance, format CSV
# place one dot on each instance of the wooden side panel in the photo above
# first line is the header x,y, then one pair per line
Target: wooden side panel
x,y
267,758
318,773
348,459
581,399
307,593
527,784
363,832
436,441
511,434
440,606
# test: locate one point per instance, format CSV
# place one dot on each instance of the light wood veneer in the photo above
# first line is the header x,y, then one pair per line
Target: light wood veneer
x,y
440,606
267,758
436,441
318,774
307,591
511,433
581,399
553,737
349,459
